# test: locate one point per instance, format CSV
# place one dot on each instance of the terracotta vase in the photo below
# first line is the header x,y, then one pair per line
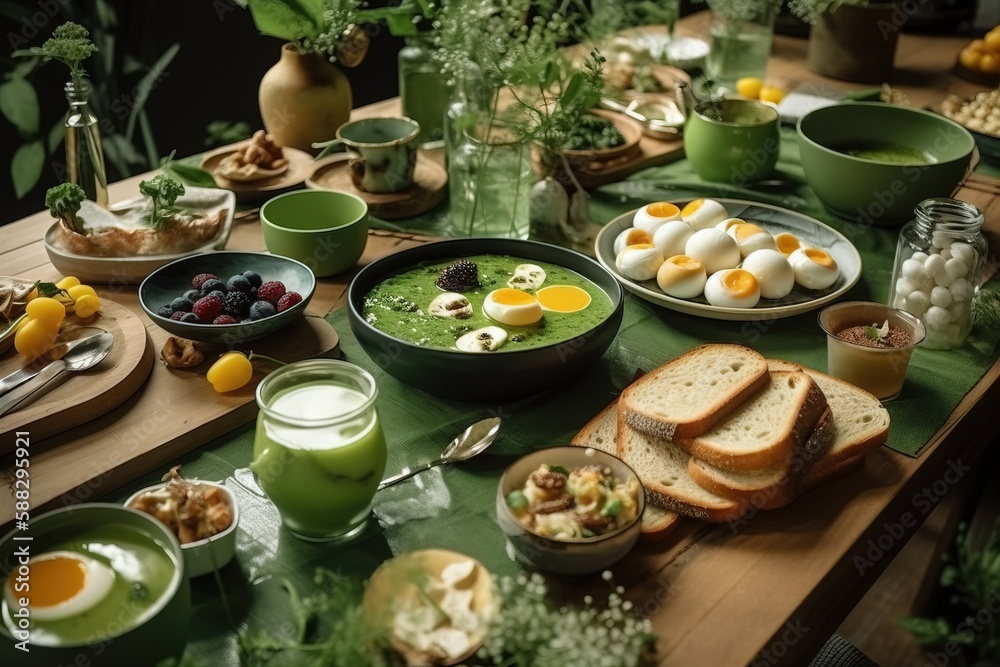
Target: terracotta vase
x,y
303,99
855,43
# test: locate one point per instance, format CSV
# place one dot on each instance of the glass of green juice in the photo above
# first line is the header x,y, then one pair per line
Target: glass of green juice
x,y
319,453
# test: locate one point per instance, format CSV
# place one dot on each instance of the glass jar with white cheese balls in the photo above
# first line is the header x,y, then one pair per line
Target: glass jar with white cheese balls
x,y
939,263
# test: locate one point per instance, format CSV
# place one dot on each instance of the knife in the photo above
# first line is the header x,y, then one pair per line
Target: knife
x,y
71,339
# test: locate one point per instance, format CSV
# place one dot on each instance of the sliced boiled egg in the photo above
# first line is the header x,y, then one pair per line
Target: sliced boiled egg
x,y
682,277
62,584
814,268
639,262
486,339
715,248
750,237
513,307
563,298
450,304
788,243
671,237
730,222
631,236
772,271
732,288
527,277
703,213
651,216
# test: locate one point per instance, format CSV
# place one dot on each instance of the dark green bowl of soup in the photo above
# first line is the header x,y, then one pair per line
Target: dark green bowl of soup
x,y
389,301
872,163
111,589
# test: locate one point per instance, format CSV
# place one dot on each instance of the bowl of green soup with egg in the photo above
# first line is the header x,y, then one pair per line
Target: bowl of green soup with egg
x,y
872,163
96,584
485,319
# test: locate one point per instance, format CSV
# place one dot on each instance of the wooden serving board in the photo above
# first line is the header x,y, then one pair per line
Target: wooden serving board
x,y
172,413
88,394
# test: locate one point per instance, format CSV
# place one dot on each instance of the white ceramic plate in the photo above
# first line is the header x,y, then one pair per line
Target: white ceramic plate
x,y
775,220
134,269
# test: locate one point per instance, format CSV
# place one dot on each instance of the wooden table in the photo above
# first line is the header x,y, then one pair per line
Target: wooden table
x,y
716,597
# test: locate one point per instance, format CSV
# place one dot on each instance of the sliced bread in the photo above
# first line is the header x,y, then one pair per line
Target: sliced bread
x,y
601,432
686,396
860,421
663,469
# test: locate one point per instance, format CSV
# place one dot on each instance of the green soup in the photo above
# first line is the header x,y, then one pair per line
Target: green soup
x,y
143,572
398,306
885,151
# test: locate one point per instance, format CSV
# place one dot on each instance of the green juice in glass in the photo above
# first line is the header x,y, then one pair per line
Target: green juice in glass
x,y
319,455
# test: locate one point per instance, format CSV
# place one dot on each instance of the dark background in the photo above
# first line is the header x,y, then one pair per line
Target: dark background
x,y
215,74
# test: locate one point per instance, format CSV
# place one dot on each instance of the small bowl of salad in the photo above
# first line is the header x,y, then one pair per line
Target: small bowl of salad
x,y
572,510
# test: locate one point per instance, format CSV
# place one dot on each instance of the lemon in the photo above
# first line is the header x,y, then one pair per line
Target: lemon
x,y
772,94
749,87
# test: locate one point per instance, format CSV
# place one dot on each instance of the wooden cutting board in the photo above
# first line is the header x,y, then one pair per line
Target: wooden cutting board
x,y
86,395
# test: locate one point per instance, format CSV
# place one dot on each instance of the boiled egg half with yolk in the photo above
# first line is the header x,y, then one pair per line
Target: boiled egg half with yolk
x,y
639,262
732,288
703,213
682,277
631,236
62,584
651,216
512,307
750,237
814,268
563,298
788,243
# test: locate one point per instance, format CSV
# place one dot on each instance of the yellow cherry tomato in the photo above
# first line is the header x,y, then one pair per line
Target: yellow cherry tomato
x,y
977,45
990,63
992,40
772,94
77,291
232,371
67,282
749,87
46,309
34,338
87,305
970,57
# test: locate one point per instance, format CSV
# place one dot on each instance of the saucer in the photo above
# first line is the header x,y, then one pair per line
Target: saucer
x,y
300,165
430,182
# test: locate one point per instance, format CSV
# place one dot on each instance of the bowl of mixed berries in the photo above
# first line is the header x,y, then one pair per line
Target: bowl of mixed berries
x,y
227,297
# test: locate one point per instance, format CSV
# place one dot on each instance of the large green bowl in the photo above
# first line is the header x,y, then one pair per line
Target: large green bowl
x,y
875,192
473,376
162,634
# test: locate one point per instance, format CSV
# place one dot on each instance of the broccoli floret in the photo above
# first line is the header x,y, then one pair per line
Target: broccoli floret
x,y
64,203
162,192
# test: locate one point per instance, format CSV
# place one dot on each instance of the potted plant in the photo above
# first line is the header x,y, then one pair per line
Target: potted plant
x,y
304,99
854,40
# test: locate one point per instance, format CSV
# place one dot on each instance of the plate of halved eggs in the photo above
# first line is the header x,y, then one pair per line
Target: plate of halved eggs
x,y
728,259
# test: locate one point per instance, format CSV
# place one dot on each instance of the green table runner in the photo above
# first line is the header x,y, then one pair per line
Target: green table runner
x,y
453,507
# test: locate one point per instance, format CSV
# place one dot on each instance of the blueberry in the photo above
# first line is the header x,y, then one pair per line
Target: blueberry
x,y
261,309
182,304
239,283
190,317
253,278
192,295
218,294
212,285
165,311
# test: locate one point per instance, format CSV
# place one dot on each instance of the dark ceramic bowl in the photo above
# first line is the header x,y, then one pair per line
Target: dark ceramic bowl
x,y
171,281
493,376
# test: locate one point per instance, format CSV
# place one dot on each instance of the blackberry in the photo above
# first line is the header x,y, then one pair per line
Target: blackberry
x,y
236,304
461,276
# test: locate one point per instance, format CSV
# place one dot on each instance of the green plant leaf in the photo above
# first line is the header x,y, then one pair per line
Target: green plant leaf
x,y
23,68
57,134
401,25
573,92
26,167
106,13
191,175
19,105
147,138
290,20
927,631
146,86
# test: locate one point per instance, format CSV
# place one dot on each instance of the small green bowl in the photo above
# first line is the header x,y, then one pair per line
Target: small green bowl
x,y
882,189
159,634
324,229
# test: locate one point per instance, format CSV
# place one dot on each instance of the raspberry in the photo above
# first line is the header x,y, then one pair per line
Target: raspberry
x,y
200,279
178,314
272,292
288,300
207,308
236,304
225,319
261,309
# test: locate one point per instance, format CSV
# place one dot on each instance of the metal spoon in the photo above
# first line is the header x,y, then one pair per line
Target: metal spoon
x,y
68,339
654,127
88,354
469,442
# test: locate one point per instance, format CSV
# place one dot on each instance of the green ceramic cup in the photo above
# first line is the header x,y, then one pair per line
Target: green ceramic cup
x,y
740,148
324,229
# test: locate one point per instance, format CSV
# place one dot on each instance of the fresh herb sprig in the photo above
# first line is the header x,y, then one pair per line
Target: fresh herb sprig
x,y
162,191
69,44
64,202
874,332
